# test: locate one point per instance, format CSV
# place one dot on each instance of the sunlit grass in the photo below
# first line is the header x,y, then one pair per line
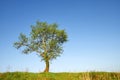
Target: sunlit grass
x,y
60,76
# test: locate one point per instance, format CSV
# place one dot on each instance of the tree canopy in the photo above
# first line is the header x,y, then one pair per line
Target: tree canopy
x,y
45,39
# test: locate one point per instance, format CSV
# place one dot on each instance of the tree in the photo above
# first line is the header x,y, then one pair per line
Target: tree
x,y
45,39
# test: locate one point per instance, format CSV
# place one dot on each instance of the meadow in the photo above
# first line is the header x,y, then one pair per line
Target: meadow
x,y
60,76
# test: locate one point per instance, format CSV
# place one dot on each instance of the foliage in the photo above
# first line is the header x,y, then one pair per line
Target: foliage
x,y
45,39
60,76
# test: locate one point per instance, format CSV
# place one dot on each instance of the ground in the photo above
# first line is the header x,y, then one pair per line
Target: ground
x,y
60,76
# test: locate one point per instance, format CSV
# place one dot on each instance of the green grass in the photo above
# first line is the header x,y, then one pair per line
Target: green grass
x,y
60,76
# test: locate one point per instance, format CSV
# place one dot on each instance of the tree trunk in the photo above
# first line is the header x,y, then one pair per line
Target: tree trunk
x,y
47,66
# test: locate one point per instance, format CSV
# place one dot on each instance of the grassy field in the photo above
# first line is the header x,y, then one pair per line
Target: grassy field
x,y
60,76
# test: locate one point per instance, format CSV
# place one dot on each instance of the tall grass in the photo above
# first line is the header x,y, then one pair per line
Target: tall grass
x,y
60,76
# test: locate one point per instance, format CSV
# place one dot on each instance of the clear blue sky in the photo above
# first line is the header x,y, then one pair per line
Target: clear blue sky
x,y
93,27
